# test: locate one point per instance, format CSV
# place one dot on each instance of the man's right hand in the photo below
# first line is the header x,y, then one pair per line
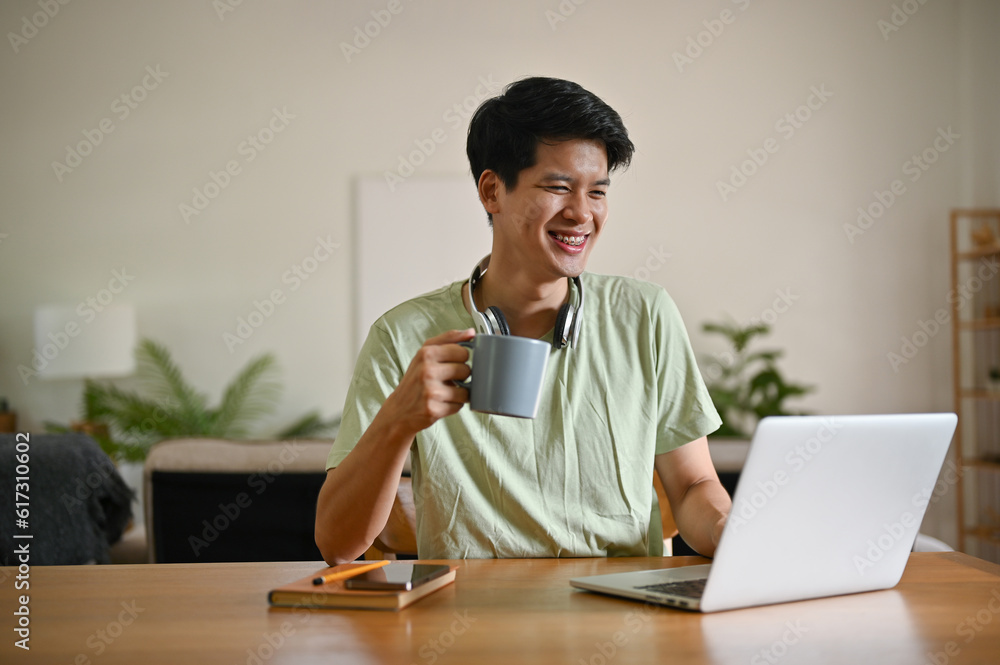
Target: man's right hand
x,y
426,392
356,499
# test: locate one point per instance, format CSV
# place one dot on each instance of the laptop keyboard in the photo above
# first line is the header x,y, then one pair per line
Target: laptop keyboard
x,y
687,588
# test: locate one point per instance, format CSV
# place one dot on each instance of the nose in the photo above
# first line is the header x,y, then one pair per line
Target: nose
x,y
578,208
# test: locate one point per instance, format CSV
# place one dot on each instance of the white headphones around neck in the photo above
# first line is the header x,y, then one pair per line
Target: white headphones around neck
x,y
569,320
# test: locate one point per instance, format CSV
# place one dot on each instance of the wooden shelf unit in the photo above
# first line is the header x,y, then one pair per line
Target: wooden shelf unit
x,y
975,318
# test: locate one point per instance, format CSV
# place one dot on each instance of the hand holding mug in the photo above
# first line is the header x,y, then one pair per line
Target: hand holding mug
x,y
507,374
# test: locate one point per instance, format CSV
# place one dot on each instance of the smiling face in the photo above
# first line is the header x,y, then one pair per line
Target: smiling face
x,y
546,225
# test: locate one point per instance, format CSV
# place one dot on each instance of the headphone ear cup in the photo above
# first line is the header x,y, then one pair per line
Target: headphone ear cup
x,y
482,323
563,327
497,321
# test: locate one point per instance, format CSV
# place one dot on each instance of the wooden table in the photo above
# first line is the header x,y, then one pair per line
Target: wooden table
x,y
946,611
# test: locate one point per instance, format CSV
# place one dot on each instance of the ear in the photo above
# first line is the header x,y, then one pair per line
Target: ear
x,y
489,191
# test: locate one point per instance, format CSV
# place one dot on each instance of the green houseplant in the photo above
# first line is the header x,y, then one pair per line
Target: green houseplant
x,y
126,423
746,385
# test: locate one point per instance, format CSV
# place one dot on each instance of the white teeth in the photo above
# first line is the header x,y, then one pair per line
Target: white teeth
x,y
573,241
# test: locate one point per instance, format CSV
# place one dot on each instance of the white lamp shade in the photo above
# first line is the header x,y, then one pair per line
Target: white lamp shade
x,y
70,343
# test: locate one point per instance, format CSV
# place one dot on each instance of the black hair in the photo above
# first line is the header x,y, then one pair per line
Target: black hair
x,y
505,130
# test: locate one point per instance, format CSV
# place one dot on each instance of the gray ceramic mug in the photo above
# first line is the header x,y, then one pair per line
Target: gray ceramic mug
x,y
507,374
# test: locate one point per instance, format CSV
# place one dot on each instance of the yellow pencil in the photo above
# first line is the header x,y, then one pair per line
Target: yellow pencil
x,y
350,572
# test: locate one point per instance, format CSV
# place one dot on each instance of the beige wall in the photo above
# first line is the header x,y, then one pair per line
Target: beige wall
x,y
886,95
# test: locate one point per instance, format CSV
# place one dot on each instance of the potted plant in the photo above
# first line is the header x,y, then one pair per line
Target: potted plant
x,y
746,385
126,423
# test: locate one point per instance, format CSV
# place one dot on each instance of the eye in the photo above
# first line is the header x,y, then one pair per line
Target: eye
x,y
599,193
558,188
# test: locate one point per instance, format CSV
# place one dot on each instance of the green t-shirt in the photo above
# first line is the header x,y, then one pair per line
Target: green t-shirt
x,y
577,479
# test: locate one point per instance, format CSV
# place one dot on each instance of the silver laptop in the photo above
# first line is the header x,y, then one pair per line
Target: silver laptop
x,y
824,506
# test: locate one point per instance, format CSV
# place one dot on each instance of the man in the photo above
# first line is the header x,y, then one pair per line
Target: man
x,y
628,397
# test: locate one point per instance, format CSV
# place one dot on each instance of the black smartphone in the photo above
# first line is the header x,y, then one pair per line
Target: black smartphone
x,y
396,577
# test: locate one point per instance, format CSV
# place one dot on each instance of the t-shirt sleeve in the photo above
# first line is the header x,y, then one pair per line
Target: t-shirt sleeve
x,y
376,374
686,409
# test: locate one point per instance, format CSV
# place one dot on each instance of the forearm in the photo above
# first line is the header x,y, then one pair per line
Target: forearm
x,y
700,514
357,497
